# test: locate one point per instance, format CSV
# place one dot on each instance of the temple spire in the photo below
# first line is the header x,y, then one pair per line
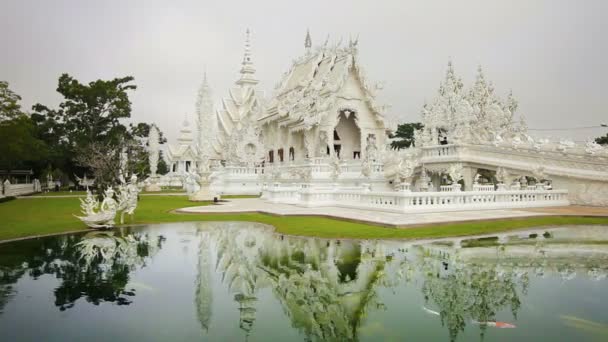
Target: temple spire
x,y
308,42
247,69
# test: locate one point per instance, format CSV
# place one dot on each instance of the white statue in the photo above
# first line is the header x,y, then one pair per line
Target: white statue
x,y
591,147
153,138
455,172
84,181
89,205
565,144
104,218
334,164
191,182
127,198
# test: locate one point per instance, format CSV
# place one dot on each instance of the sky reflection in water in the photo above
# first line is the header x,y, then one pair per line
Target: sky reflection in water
x,y
240,281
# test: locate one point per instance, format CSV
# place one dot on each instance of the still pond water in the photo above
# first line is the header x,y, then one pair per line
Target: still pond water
x,y
241,281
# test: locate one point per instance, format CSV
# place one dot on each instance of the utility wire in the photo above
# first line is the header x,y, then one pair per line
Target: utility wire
x,y
565,129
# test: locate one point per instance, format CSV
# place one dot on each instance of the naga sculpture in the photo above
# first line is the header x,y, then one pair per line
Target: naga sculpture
x,y
102,217
98,216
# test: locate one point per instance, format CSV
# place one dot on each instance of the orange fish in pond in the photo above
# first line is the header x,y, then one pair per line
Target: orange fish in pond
x,y
501,325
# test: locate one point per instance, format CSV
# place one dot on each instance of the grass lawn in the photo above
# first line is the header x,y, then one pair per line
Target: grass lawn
x,y
38,216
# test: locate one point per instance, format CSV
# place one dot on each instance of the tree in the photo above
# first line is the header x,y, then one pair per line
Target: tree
x,y
88,131
163,168
602,140
19,145
9,102
92,112
406,133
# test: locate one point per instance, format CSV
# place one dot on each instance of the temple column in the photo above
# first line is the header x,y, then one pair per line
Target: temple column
x,y
468,174
363,139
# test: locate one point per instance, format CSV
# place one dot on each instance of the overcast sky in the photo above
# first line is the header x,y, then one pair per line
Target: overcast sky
x,y
552,54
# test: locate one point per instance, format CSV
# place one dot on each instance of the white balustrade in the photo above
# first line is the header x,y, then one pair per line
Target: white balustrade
x,y
483,187
405,202
446,188
440,151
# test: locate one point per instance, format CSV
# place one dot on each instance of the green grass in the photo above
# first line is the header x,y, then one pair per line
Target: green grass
x,y
60,193
39,216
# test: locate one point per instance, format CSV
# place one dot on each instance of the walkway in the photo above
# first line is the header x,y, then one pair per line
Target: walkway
x,y
370,216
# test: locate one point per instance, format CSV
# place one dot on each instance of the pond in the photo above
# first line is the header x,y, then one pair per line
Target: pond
x,y
241,281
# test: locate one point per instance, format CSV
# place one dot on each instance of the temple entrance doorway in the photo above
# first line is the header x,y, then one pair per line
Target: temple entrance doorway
x,y
347,135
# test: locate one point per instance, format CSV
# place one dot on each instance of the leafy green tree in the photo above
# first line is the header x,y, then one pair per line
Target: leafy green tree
x,y
87,131
405,132
91,112
9,102
602,140
19,145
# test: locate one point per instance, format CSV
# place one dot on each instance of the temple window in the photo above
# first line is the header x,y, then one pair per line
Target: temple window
x,y
337,149
271,156
280,153
356,154
187,165
292,153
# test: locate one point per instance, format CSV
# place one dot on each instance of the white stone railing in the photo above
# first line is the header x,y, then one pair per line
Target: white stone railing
x,y
321,168
440,150
405,202
485,187
244,171
446,188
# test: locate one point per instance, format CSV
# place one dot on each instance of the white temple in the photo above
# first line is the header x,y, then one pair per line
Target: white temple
x,y
321,139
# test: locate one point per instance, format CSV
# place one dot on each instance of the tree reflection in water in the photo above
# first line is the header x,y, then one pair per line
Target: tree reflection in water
x,y
95,266
466,292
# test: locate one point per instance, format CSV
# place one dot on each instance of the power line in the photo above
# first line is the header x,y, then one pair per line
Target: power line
x,y
567,129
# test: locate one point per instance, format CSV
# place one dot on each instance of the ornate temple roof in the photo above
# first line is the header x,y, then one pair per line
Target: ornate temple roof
x,y
308,91
243,104
184,149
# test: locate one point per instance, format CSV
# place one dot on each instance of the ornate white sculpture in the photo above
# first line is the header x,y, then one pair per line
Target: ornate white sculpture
x,y
89,205
153,155
84,181
478,116
565,144
455,172
336,168
153,138
104,217
191,182
591,147
128,196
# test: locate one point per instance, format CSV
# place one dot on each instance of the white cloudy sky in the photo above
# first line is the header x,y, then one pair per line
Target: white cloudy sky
x,y
552,53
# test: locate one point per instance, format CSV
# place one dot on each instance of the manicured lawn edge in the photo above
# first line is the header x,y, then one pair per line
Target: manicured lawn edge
x,y
44,216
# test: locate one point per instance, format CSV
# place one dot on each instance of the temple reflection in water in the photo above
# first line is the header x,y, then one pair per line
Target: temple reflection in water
x,y
328,287
243,280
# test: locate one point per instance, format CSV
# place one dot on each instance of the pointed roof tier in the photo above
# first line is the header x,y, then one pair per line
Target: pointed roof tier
x,y
247,69
242,106
310,89
184,148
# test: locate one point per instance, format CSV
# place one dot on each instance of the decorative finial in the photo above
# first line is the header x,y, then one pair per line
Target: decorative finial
x,y
307,42
247,69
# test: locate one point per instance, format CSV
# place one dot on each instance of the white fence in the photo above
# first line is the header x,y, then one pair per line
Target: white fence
x,y
405,202
9,189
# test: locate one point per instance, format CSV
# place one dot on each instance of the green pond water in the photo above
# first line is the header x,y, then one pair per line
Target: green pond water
x,y
243,282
